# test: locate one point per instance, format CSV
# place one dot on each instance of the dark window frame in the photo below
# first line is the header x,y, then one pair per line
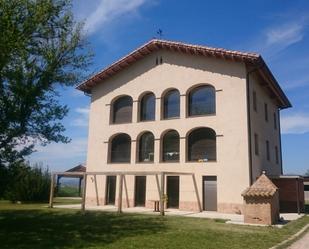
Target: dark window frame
x,y
166,151
277,154
170,105
116,116
256,144
142,151
193,105
266,111
144,109
197,139
118,154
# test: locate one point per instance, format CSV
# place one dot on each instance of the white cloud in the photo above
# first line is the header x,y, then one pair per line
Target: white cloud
x,y
295,123
83,117
301,82
285,35
276,38
101,12
59,156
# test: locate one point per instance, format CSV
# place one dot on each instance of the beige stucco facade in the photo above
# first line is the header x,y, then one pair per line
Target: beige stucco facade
x,y
230,122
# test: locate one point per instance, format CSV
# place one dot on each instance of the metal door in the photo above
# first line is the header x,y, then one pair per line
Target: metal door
x,y
140,191
110,190
210,193
172,189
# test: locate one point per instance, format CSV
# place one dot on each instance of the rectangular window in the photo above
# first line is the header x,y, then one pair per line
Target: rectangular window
x,y
277,154
275,121
267,150
266,111
254,102
256,144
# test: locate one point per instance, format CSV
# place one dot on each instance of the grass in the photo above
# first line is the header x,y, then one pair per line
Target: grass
x,y
68,191
34,226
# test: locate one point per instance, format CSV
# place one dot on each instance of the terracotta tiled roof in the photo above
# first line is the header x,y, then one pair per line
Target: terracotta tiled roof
x,y
251,59
262,187
78,168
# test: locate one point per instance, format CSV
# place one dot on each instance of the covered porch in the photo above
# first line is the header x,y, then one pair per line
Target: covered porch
x,y
122,174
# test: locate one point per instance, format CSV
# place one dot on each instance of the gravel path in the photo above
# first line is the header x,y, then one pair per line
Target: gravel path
x,y
302,243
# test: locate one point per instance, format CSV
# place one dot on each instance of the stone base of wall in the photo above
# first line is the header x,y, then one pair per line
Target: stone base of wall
x,y
189,206
231,208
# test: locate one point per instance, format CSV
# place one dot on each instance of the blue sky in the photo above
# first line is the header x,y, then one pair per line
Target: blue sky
x,y
278,29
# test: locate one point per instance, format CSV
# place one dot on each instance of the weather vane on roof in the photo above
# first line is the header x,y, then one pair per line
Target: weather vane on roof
x,y
160,33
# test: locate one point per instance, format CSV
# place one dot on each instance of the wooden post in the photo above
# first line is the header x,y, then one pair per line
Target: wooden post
x,y
96,189
126,190
162,194
57,184
196,192
84,192
52,188
158,186
120,195
79,186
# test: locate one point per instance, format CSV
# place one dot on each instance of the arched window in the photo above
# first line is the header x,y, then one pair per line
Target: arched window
x,y
146,147
121,149
122,110
202,145
202,101
171,102
148,107
170,144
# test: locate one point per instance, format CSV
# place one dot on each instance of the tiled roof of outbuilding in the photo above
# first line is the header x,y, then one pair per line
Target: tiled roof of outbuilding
x,y
262,187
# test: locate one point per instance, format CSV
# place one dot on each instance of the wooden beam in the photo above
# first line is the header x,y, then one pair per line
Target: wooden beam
x,y
196,192
52,188
162,194
120,195
84,192
140,173
126,190
158,185
96,189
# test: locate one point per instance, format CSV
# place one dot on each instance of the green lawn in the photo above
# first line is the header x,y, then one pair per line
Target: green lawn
x,y
35,226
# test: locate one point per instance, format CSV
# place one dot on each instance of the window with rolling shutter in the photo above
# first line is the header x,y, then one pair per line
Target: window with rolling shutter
x,y
121,149
202,101
202,145
122,110
171,104
146,147
170,143
148,107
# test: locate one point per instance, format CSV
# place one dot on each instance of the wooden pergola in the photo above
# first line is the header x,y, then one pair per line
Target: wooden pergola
x,y
122,175
77,169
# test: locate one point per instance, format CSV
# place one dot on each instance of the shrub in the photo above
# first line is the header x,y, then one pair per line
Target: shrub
x,y
28,184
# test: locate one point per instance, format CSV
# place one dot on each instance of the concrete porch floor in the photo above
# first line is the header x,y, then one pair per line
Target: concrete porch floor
x,y
232,218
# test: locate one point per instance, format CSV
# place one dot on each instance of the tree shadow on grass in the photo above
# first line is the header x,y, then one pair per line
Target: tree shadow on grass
x,y
52,229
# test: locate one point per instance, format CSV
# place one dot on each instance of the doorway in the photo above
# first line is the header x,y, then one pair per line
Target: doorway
x,y
140,191
110,194
172,189
210,193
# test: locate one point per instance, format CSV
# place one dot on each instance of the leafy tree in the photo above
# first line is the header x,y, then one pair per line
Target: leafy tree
x,y
42,49
27,183
307,172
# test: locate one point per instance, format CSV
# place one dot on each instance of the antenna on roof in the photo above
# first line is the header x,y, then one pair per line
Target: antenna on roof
x,y
160,33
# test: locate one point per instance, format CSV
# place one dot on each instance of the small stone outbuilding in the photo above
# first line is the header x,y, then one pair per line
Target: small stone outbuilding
x,y
261,202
